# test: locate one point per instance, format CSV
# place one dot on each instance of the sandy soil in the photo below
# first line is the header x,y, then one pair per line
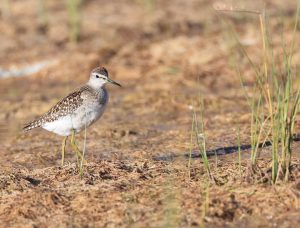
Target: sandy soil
x,y
164,55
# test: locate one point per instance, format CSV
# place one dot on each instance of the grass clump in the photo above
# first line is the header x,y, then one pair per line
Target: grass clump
x,y
275,100
6,8
73,8
198,138
43,16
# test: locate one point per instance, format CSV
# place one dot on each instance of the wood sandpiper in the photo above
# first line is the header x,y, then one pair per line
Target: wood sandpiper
x,y
76,111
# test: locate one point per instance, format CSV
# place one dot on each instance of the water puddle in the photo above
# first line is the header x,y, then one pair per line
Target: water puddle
x,y
25,71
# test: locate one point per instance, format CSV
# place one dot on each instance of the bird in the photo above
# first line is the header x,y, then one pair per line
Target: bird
x,y
77,111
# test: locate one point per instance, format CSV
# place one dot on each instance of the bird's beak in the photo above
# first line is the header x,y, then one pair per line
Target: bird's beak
x,y
113,82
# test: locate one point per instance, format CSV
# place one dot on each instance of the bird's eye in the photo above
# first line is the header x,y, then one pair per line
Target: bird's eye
x,y
97,76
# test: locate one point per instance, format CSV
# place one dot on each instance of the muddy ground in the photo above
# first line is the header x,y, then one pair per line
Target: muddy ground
x,y
164,53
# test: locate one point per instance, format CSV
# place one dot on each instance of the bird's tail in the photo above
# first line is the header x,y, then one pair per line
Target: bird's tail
x,y
34,124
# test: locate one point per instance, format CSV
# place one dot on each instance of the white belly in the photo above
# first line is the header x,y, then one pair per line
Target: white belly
x,y
78,121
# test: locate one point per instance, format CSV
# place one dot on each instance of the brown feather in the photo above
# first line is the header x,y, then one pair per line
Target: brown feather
x,y
64,107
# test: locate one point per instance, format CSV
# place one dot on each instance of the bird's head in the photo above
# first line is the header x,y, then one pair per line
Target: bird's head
x,y
99,77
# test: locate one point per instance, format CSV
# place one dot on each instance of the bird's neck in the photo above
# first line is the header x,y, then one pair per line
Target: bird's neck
x,y
96,87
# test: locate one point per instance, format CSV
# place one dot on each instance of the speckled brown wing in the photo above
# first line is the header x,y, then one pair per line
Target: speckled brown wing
x,y
64,107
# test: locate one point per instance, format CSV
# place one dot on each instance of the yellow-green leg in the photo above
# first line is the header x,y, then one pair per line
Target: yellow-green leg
x,y
63,150
76,149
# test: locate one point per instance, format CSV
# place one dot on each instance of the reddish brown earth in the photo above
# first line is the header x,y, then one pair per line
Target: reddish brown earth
x,y
164,55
